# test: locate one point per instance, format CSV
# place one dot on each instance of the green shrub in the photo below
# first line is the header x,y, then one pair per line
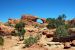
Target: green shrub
x,y
30,41
50,20
20,30
1,41
67,26
19,25
54,23
61,31
51,23
50,26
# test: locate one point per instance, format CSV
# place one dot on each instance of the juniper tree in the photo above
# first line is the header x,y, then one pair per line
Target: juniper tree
x,y
20,28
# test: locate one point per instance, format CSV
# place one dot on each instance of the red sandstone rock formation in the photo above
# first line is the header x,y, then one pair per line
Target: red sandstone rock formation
x,y
13,21
72,22
5,30
48,33
44,20
73,42
67,45
32,18
29,17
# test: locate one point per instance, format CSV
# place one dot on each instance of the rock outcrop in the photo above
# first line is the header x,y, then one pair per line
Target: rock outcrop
x,y
44,20
73,42
29,18
13,21
67,45
72,30
32,18
48,33
72,21
5,30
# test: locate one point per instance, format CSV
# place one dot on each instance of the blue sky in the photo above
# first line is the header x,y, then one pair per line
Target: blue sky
x,y
40,8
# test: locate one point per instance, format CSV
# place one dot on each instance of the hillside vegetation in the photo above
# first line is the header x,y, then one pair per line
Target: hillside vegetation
x,y
27,34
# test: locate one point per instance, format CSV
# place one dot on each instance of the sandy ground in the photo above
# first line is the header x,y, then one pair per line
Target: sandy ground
x,y
15,44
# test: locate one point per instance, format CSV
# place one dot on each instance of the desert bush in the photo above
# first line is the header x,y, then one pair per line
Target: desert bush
x,y
21,33
51,26
20,29
36,25
61,31
50,20
19,25
51,23
1,41
67,26
61,17
54,23
30,41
